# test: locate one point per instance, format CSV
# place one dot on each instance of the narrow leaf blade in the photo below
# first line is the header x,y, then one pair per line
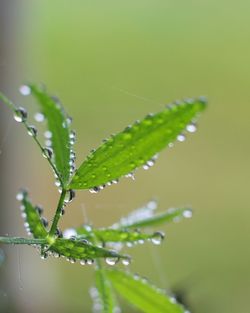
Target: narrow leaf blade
x,y
115,235
105,292
171,215
59,128
135,146
32,217
141,294
81,250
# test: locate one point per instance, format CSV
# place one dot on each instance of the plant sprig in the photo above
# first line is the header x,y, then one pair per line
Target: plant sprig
x,y
120,155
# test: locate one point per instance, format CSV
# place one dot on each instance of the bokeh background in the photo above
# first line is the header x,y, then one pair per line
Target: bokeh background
x,y
112,62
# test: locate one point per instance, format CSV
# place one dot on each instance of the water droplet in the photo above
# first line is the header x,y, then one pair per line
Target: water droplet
x,y
191,128
68,233
20,115
187,213
44,256
32,131
157,238
44,221
70,195
72,261
47,153
39,117
62,212
94,190
39,209
72,137
90,262
24,90
48,134
126,261
57,183
20,196
83,262
170,145
111,260
181,137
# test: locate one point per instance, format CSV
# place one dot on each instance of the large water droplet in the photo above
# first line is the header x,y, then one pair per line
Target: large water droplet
x,y
39,117
70,232
111,260
157,238
32,131
70,195
20,115
24,90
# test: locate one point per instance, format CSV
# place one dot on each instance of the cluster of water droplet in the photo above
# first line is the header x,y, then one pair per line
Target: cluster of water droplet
x,y
21,195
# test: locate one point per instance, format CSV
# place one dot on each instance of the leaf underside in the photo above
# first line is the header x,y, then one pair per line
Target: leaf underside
x,y
141,294
135,146
59,127
33,218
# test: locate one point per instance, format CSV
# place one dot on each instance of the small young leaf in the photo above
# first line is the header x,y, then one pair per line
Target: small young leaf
x,y
32,217
105,292
114,235
173,214
135,146
80,250
141,294
59,128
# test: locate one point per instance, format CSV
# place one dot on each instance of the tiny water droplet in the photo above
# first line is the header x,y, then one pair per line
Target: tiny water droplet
x,y
44,221
187,213
111,260
70,195
170,145
20,196
94,190
126,261
39,117
47,153
90,262
191,128
20,115
32,131
44,256
24,90
48,134
157,238
83,262
39,209
181,137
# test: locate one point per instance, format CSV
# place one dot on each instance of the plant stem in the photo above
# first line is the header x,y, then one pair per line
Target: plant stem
x,y
58,213
22,241
13,107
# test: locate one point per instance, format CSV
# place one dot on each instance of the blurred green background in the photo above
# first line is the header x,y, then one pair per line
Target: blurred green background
x,y
112,62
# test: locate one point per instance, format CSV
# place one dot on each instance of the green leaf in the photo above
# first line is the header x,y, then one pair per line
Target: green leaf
x,y
135,146
171,215
81,250
58,125
115,235
32,216
105,292
141,294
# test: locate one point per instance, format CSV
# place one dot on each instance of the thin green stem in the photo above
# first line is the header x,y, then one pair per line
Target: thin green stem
x,y
13,107
22,241
58,213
